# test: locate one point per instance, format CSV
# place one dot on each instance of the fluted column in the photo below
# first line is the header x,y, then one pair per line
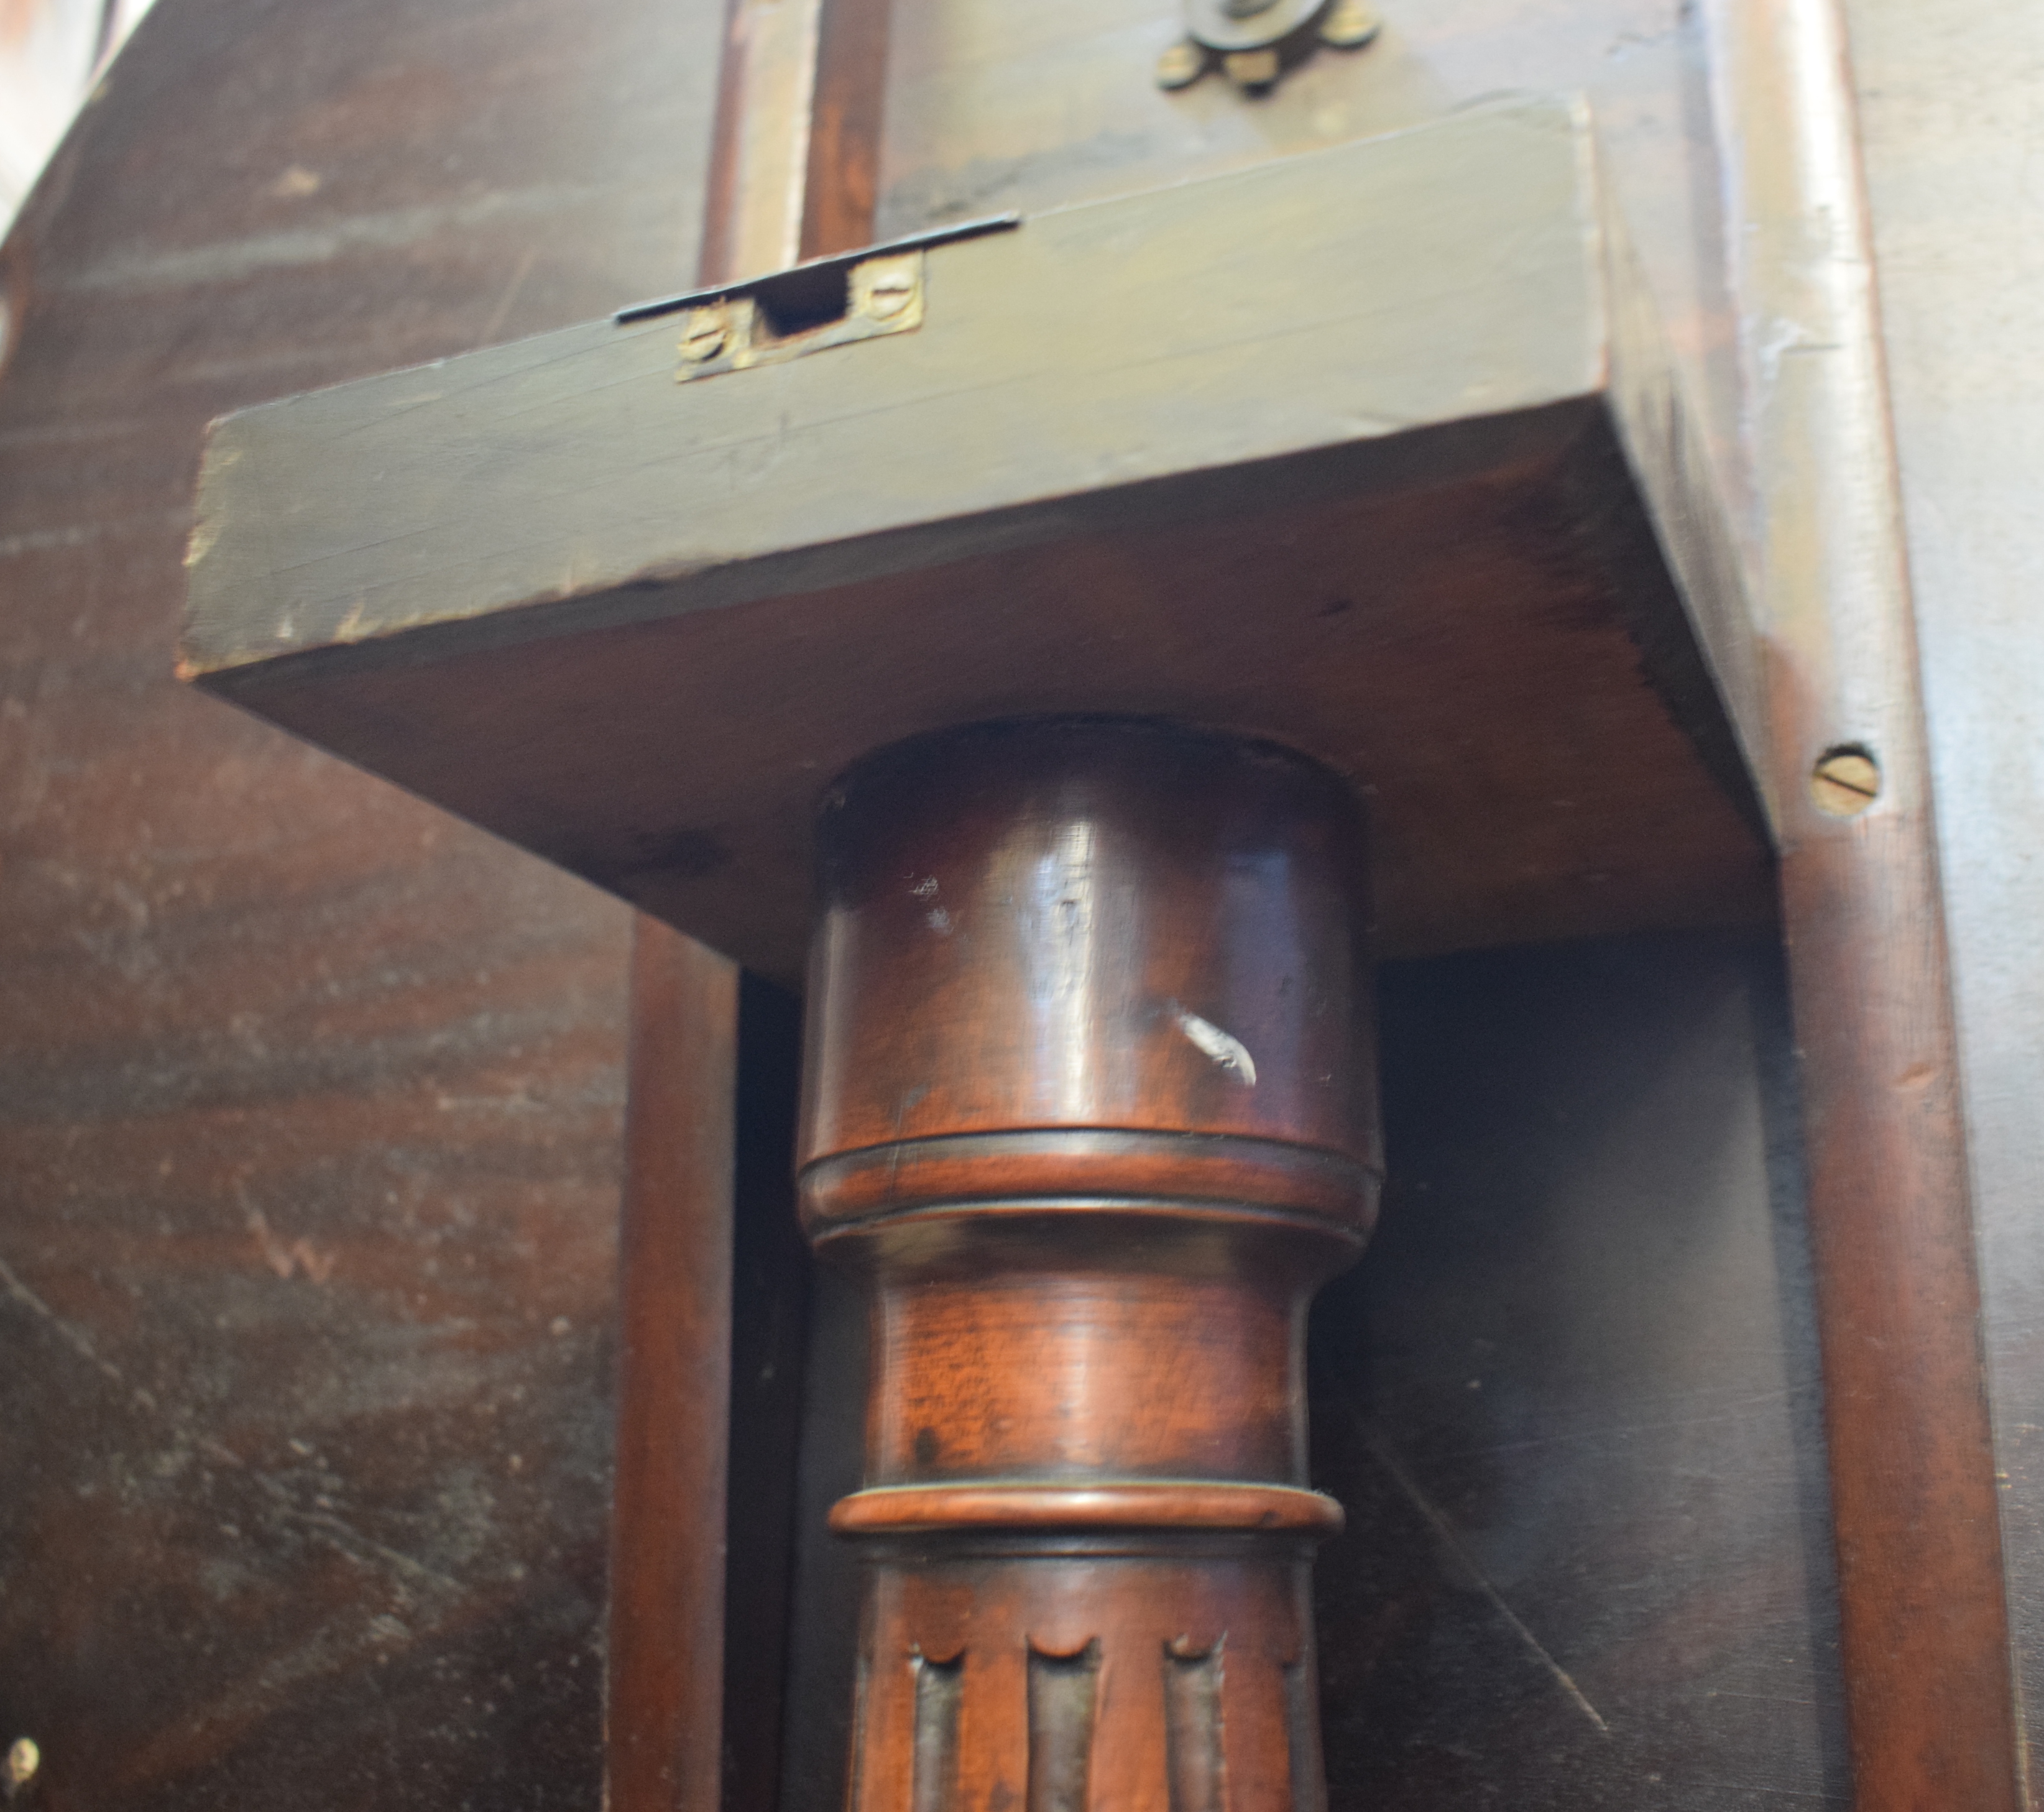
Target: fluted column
x,y
1091,1107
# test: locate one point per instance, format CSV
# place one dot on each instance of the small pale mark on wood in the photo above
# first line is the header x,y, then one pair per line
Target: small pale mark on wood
x,y
1226,1049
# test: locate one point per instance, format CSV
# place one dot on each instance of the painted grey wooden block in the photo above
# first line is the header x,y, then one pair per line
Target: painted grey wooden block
x,y
1375,451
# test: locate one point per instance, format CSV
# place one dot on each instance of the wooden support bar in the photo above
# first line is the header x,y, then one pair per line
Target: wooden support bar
x,y
1923,1618
1089,1107
664,1711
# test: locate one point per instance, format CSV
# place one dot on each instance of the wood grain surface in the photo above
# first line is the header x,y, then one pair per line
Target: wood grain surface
x,y
310,1099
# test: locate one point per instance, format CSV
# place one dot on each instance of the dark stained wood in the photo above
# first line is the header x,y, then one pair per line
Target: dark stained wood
x,y
1571,1401
664,1713
1474,616
943,1018
1115,973
823,1646
309,1098
770,1289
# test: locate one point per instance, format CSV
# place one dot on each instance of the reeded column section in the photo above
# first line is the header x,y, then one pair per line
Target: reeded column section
x,y
1091,1107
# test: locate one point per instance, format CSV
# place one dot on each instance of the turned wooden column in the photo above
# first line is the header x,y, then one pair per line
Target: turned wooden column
x,y
1090,1108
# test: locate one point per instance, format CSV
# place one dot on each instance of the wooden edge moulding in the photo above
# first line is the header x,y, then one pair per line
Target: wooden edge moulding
x,y
1009,635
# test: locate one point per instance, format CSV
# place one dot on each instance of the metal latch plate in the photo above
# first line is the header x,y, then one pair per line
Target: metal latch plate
x,y
831,307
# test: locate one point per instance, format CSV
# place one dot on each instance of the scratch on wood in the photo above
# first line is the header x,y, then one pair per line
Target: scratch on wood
x,y
1734,1410
231,261
358,1548
74,1338
85,534
1444,1531
350,1541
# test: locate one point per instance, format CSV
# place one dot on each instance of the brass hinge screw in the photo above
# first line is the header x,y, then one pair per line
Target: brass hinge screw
x,y
1845,782
704,336
892,291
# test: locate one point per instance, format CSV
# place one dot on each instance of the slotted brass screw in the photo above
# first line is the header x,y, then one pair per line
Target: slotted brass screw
x,y
704,337
891,292
1845,782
